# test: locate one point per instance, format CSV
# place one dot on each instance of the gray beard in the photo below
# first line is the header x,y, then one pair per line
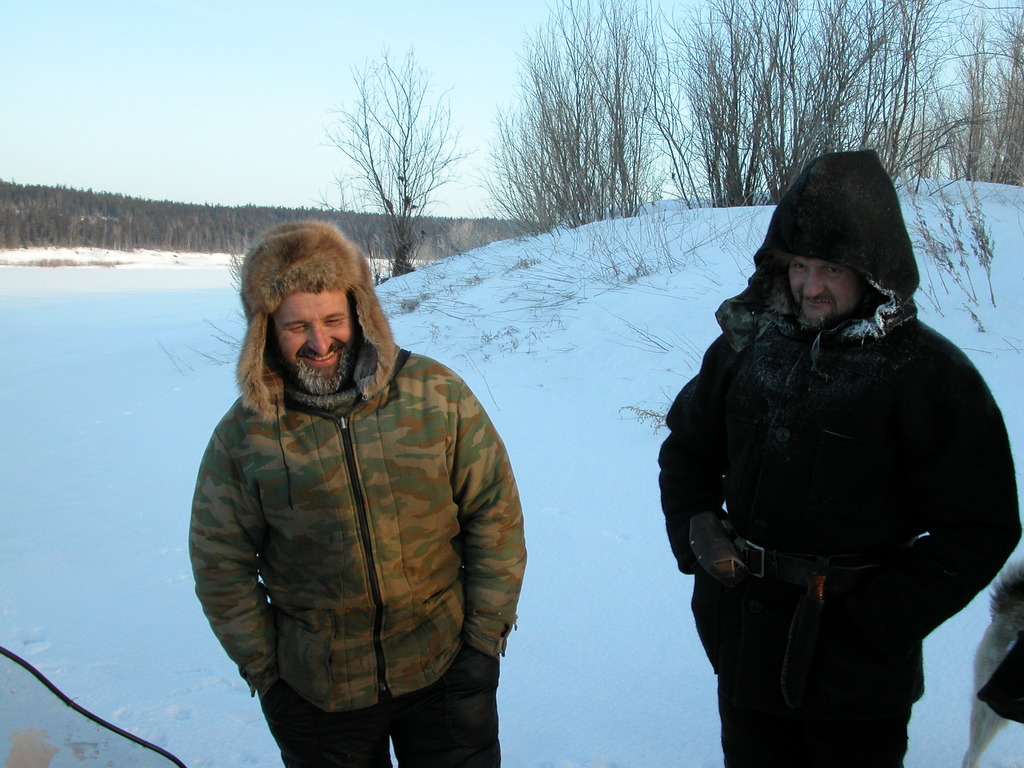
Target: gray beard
x,y
320,382
825,323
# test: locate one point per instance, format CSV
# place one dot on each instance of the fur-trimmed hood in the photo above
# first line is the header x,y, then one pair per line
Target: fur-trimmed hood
x,y
843,208
311,257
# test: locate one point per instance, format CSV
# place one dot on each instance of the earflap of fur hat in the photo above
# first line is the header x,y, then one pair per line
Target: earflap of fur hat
x,y
307,257
744,317
252,371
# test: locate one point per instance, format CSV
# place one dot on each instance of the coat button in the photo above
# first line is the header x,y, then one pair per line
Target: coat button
x,y
782,434
754,606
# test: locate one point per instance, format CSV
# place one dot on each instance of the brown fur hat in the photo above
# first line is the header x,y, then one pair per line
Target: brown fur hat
x,y
309,257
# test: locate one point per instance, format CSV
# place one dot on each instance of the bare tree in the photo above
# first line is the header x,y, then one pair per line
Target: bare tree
x,y
768,84
401,148
898,93
576,150
734,97
989,103
750,78
670,126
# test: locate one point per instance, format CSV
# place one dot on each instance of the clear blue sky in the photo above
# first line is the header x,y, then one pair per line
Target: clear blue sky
x,y
225,101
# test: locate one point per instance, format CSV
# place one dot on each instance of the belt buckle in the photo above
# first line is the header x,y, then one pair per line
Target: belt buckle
x,y
749,548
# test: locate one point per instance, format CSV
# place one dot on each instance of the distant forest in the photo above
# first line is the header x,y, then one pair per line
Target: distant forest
x,y
34,216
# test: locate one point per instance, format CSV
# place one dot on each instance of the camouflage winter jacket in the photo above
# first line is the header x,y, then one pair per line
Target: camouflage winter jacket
x,y
351,554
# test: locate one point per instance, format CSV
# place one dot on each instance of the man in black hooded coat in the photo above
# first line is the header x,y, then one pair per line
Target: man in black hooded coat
x,y
853,467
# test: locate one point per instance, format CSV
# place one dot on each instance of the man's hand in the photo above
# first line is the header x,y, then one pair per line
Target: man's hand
x,y
714,549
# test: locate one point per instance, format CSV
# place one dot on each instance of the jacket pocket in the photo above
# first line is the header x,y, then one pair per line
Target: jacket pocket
x,y
848,675
303,651
434,629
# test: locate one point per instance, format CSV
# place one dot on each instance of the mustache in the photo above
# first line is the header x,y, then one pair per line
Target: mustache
x,y
305,351
825,296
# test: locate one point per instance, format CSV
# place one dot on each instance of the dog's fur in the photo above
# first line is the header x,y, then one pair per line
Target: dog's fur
x,y
1007,620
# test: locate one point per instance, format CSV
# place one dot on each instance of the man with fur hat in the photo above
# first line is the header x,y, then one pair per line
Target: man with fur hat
x,y
838,480
357,536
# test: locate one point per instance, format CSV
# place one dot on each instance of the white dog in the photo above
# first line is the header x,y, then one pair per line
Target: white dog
x,y
1007,620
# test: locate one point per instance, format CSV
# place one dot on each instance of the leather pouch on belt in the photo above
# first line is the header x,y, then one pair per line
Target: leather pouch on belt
x,y
714,549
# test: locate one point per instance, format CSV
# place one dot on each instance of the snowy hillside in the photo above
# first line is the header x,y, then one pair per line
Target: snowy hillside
x,y
574,342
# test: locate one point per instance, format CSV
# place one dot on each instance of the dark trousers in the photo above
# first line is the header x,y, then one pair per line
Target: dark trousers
x,y
752,739
450,724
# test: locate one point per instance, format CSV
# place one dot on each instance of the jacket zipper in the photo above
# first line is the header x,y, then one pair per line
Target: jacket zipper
x,y
371,570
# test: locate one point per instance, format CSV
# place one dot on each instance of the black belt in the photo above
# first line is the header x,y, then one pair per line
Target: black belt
x,y
843,572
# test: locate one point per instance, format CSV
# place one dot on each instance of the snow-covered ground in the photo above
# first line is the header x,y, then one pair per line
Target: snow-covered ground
x,y
95,257
114,378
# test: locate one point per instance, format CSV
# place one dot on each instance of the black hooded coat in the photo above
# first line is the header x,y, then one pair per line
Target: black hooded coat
x,y
877,437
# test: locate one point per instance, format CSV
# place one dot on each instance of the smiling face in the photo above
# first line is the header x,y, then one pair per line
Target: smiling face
x,y
825,293
312,331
